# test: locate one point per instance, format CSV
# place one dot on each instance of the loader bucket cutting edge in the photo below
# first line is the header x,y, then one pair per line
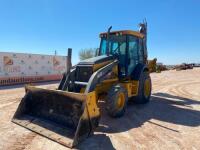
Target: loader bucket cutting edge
x,y
58,115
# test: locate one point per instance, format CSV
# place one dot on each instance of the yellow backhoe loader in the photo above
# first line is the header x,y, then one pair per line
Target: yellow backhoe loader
x,y
71,113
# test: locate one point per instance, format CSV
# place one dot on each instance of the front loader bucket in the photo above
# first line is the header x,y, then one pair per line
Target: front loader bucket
x,y
58,115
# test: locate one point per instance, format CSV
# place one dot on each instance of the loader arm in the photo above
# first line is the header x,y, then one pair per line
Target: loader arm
x,y
99,76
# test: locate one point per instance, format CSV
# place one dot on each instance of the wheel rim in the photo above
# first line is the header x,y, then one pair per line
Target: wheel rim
x,y
147,88
120,101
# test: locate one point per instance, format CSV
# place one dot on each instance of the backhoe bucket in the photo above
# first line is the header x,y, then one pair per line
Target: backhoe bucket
x,y
58,115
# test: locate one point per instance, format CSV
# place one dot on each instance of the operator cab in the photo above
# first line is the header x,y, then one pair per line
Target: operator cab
x,y
129,47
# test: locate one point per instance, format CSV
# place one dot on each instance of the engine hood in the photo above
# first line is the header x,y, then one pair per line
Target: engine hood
x,y
96,60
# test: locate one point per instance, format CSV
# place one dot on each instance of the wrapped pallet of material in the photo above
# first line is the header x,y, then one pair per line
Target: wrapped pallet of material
x,y
18,68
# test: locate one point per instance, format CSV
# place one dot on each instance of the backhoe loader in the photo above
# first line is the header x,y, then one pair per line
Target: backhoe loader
x,y
71,113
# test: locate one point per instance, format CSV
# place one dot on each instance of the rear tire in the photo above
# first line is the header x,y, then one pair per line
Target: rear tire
x,y
116,101
144,89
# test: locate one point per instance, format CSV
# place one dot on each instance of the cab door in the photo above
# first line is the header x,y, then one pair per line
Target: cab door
x,y
133,53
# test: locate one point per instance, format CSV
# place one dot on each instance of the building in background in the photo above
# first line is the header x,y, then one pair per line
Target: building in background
x,y
18,68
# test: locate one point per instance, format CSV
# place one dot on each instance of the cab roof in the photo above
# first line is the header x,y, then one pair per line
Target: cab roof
x,y
124,32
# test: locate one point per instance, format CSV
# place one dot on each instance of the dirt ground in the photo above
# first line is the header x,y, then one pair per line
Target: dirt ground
x,y
170,121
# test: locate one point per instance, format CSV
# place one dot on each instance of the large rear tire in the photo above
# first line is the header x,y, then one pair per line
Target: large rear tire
x,y
144,89
116,101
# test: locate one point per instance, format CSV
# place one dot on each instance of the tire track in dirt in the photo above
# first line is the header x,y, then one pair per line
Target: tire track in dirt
x,y
152,126
13,137
4,105
180,90
21,142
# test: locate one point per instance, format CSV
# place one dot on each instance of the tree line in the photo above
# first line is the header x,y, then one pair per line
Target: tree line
x,y
87,53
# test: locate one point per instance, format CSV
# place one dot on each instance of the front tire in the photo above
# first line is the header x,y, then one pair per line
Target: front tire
x,y
116,101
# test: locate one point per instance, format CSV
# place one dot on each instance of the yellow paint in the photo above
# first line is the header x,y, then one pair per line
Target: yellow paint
x,y
135,86
92,97
147,88
115,70
131,87
100,65
93,109
82,90
125,32
110,80
105,85
121,101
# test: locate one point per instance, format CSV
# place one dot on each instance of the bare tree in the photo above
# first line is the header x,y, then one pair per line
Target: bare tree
x,y
87,53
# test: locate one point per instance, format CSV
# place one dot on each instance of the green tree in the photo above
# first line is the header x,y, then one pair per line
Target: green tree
x,y
87,53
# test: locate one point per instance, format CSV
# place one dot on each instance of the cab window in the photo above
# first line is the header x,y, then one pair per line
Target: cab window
x,y
133,59
141,51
